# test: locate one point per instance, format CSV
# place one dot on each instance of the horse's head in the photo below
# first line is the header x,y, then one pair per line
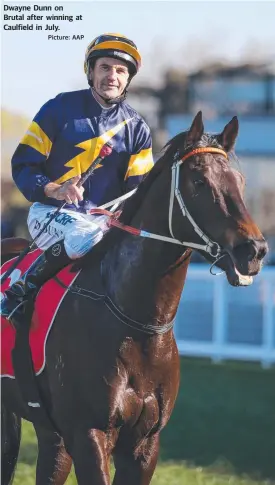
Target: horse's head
x,y
210,193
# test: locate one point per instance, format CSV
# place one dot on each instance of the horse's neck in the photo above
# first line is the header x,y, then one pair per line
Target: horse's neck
x,y
143,281
141,275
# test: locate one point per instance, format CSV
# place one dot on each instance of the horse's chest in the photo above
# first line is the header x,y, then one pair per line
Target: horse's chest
x,y
142,412
149,395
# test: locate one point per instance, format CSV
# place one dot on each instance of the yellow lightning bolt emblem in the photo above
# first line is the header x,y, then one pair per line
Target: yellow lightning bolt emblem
x,y
91,149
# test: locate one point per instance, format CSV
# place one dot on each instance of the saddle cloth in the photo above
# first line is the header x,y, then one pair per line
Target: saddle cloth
x,y
47,304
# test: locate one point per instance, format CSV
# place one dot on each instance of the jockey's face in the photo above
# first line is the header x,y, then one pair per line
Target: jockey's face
x,y
110,77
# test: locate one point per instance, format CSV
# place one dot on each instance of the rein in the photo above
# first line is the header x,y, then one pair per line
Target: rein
x,y
211,247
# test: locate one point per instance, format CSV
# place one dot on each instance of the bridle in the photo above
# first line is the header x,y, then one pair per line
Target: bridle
x,y
210,247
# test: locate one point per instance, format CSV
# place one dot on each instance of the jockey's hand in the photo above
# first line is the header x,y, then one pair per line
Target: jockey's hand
x,y
67,191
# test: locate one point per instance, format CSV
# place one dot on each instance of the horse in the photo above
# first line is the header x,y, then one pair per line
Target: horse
x,y
112,366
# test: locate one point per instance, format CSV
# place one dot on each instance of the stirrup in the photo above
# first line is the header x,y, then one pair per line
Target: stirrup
x,y
15,310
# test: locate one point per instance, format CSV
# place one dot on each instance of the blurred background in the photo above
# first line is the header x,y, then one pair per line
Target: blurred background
x,y
218,58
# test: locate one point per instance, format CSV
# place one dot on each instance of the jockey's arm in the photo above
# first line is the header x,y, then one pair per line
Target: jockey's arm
x,y
141,161
30,157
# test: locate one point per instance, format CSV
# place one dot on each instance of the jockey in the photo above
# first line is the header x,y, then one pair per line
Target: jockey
x,y
63,140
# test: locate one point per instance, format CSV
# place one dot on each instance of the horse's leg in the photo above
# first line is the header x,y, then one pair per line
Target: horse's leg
x,y
90,457
11,436
136,466
53,463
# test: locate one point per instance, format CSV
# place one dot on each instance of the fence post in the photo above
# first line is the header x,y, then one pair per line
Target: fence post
x,y
268,327
219,318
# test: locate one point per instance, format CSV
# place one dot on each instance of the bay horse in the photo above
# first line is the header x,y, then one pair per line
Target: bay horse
x,y
112,365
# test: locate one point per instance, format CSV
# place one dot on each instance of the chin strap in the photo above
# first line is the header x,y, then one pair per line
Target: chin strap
x,y
111,101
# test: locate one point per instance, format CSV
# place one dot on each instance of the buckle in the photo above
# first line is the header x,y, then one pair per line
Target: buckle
x,y
212,249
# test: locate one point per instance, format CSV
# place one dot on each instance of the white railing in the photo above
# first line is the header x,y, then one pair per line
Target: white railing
x,y
217,321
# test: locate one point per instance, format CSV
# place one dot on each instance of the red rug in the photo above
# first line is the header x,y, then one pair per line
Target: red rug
x,y
47,303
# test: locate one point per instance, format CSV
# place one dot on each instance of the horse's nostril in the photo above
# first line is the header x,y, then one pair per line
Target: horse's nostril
x,y
257,249
262,250
252,250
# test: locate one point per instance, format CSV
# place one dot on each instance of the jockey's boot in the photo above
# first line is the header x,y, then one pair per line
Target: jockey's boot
x,y
22,293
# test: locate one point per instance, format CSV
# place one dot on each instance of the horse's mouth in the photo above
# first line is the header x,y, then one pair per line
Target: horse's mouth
x,y
234,277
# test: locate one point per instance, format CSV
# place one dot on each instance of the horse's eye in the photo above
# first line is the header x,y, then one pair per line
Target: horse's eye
x,y
199,182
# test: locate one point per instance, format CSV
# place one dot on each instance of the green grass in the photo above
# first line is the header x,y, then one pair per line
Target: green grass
x,y
222,430
224,412
170,473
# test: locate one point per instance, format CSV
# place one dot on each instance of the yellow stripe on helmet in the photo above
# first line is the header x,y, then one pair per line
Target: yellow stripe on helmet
x,y
117,45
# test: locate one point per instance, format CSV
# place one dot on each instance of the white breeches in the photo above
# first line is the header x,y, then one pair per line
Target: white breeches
x,y
79,231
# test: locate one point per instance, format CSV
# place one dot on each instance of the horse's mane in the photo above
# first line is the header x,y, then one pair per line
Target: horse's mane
x,y
130,206
133,203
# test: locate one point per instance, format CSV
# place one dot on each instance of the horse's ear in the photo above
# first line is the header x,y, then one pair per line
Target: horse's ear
x,y
228,137
196,130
